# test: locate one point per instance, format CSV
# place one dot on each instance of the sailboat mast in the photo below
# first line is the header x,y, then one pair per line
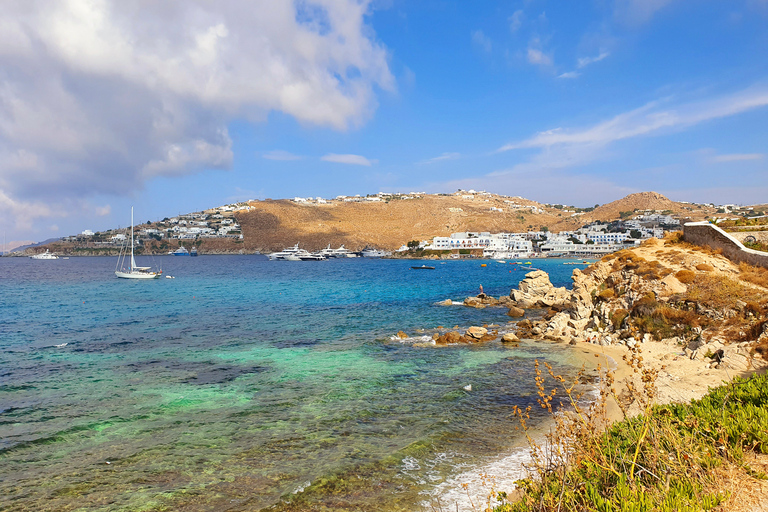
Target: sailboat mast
x,y
131,238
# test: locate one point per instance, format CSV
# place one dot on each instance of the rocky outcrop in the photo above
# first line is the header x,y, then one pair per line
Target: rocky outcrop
x,y
473,334
536,290
637,296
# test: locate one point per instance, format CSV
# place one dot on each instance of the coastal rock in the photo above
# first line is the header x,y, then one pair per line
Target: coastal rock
x,y
476,332
558,324
401,335
446,302
450,337
474,302
516,312
536,290
510,338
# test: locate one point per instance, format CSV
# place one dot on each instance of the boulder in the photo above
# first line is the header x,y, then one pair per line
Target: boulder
x,y
671,286
448,338
516,312
474,302
476,332
401,335
446,302
535,290
510,337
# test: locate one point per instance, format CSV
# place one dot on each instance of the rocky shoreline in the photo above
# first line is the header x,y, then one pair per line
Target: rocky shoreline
x,y
676,302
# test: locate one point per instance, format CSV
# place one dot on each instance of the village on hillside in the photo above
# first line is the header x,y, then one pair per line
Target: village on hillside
x,y
515,227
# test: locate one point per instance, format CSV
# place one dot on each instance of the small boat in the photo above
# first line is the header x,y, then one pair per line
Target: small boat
x,y
133,271
193,252
44,256
500,261
423,267
528,263
181,251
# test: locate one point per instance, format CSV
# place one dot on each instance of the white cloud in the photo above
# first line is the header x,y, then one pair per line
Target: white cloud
x,y
481,40
569,74
586,61
562,152
443,157
279,154
98,96
516,20
536,55
737,157
649,119
103,211
348,159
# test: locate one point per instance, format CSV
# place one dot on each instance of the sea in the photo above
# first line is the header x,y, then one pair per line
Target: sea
x,y
249,384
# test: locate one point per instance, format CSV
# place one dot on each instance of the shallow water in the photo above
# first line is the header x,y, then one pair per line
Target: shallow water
x,y
245,383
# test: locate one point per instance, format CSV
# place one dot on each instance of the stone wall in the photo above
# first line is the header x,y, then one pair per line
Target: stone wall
x,y
759,236
704,233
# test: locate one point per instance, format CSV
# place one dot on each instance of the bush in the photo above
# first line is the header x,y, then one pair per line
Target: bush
x,y
606,294
705,267
685,276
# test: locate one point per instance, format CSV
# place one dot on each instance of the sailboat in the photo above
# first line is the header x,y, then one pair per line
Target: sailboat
x,y
133,271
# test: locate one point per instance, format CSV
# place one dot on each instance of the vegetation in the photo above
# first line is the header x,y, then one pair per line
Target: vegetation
x,y
668,458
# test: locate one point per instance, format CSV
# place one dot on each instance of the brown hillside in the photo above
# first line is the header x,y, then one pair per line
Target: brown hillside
x,y
272,225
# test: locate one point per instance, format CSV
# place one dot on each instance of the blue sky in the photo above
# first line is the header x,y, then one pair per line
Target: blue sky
x,y
178,106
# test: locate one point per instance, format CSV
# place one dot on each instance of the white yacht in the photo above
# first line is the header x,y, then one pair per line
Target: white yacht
x,y
295,254
341,252
289,254
44,256
370,252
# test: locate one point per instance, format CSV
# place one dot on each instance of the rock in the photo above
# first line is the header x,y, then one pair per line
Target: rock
x,y
476,332
516,312
450,337
510,338
536,290
473,302
446,302
671,286
401,335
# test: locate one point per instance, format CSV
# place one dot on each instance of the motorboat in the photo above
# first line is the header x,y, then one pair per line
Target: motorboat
x,y
289,254
193,252
310,256
181,251
44,256
423,267
133,271
295,254
341,252
371,252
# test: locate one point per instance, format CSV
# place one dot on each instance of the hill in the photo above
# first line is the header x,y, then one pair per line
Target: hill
x,y
273,224
389,221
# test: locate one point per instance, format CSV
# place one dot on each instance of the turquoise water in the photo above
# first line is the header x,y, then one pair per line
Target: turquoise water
x,y
244,384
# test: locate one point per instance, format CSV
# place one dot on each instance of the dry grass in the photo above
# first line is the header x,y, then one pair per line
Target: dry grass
x,y
720,291
705,267
754,275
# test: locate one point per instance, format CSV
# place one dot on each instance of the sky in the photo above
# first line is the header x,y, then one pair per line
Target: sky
x,y
183,105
